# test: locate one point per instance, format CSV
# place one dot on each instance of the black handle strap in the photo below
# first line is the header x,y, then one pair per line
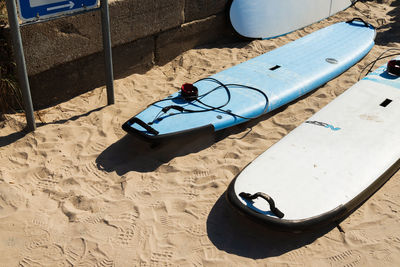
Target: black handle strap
x,y
358,19
269,199
144,125
178,108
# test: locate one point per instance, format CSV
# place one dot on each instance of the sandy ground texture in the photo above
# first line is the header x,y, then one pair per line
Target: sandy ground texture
x,y
79,192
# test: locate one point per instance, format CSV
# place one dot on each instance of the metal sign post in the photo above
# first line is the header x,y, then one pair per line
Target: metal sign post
x,y
105,21
33,11
20,60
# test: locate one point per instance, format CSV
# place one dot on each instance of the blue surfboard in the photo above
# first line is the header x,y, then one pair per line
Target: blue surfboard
x,y
257,86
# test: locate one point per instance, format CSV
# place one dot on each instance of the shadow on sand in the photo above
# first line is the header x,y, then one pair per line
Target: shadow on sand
x,y
132,154
389,33
14,137
11,138
230,231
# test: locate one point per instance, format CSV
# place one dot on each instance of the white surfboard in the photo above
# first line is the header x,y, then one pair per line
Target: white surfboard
x,y
325,168
272,18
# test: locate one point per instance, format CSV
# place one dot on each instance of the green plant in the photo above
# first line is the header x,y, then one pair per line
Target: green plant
x,y
10,94
3,14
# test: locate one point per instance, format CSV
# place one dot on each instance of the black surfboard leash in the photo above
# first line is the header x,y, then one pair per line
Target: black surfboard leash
x,y
380,57
199,98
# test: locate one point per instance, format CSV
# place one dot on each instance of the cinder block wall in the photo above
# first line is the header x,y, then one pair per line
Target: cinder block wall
x,y
64,56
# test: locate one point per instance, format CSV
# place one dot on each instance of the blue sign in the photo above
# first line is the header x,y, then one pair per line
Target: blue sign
x,y
30,10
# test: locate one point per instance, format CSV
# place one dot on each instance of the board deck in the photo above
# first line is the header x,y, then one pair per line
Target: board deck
x,y
283,75
330,164
270,18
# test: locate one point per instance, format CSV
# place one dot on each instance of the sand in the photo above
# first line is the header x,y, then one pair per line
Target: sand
x,y
79,192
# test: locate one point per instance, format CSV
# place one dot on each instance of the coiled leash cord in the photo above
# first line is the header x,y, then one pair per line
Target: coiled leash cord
x,y
189,93
391,67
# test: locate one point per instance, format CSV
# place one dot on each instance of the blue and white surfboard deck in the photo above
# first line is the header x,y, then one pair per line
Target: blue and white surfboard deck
x,y
283,75
270,18
329,165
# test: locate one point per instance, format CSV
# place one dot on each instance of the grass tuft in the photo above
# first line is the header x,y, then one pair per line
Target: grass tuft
x,y
10,93
3,14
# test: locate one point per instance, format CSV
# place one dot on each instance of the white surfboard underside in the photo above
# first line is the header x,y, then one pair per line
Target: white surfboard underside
x,y
272,18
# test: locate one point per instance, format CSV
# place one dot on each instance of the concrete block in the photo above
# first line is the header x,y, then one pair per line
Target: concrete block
x,y
171,43
200,9
56,42
52,43
72,78
133,19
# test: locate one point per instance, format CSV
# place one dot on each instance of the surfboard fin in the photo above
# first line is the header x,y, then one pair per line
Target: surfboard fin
x,y
269,199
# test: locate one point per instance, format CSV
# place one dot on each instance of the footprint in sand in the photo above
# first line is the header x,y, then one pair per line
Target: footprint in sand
x,y
231,155
286,121
51,255
10,200
41,221
129,232
91,170
159,205
193,178
39,250
166,221
129,217
90,218
211,253
384,256
196,230
204,252
296,255
105,263
20,159
141,190
75,251
36,238
395,239
135,235
96,188
358,236
189,193
95,147
162,258
348,258
125,236
189,180
125,219
201,174
205,179
199,213
80,252
44,178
